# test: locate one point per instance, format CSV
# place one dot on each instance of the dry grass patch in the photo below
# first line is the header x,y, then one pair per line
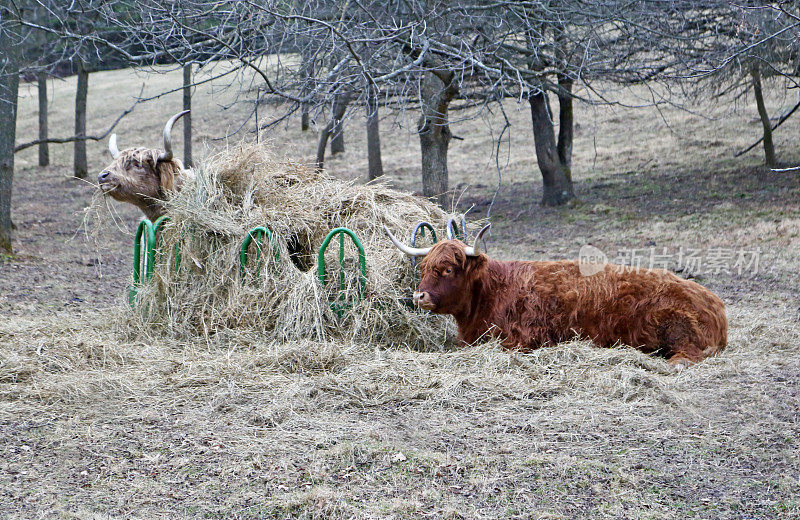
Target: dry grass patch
x,y
248,427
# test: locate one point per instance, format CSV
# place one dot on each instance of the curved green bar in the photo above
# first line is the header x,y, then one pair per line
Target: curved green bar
x,y
158,225
453,231
178,252
258,233
145,228
362,260
419,229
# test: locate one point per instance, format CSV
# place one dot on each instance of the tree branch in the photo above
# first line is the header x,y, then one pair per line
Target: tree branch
x,y
776,125
71,139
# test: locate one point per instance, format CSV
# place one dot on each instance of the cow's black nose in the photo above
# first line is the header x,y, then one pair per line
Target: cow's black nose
x,y
102,177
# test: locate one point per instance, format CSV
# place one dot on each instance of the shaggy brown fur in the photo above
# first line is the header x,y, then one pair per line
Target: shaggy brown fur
x,y
138,178
532,304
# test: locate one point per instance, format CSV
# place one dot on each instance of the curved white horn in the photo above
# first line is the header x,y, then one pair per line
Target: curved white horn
x,y
410,251
167,155
112,146
475,250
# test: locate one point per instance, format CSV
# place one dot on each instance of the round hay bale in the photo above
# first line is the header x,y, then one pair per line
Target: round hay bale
x,y
202,291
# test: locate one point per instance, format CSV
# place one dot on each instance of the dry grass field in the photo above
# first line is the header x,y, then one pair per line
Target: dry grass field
x,y
102,420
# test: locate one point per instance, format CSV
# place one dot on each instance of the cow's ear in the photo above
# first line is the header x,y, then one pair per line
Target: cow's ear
x,y
476,263
462,259
166,174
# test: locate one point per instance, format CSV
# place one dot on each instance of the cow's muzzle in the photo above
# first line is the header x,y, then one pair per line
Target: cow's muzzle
x,y
104,181
423,300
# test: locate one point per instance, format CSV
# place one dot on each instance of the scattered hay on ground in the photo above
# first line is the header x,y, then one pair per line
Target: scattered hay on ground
x,y
88,413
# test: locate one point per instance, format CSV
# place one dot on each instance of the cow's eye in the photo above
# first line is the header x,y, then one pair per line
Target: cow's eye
x,y
449,270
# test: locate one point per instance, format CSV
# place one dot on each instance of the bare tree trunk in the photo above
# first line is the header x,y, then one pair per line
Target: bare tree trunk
x,y
553,158
565,124
375,168
305,119
44,150
339,108
769,148
434,143
337,138
187,119
340,103
80,163
434,136
322,144
307,73
9,90
565,115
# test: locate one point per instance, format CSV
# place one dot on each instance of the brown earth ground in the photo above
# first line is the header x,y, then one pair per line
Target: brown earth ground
x,y
96,422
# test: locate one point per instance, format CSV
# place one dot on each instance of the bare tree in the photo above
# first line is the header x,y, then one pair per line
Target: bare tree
x,y
769,148
340,103
187,119
375,163
81,167
336,131
44,151
307,77
59,36
37,36
553,157
777,56
734,48
434,134
39,44
9,87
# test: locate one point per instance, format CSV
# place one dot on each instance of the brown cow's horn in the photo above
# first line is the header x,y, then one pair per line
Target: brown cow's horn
x,y
112,146
475,250
167,155
410,251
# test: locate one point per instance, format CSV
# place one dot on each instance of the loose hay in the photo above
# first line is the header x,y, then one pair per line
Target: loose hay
x,y
248,186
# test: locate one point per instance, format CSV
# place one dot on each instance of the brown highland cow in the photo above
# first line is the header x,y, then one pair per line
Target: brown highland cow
x,y
533,304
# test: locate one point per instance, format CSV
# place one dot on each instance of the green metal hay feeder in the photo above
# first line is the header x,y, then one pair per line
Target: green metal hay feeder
x,y
145,249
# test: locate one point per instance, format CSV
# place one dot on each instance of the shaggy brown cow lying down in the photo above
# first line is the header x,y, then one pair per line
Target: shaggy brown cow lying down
x,y
532,304
143,176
